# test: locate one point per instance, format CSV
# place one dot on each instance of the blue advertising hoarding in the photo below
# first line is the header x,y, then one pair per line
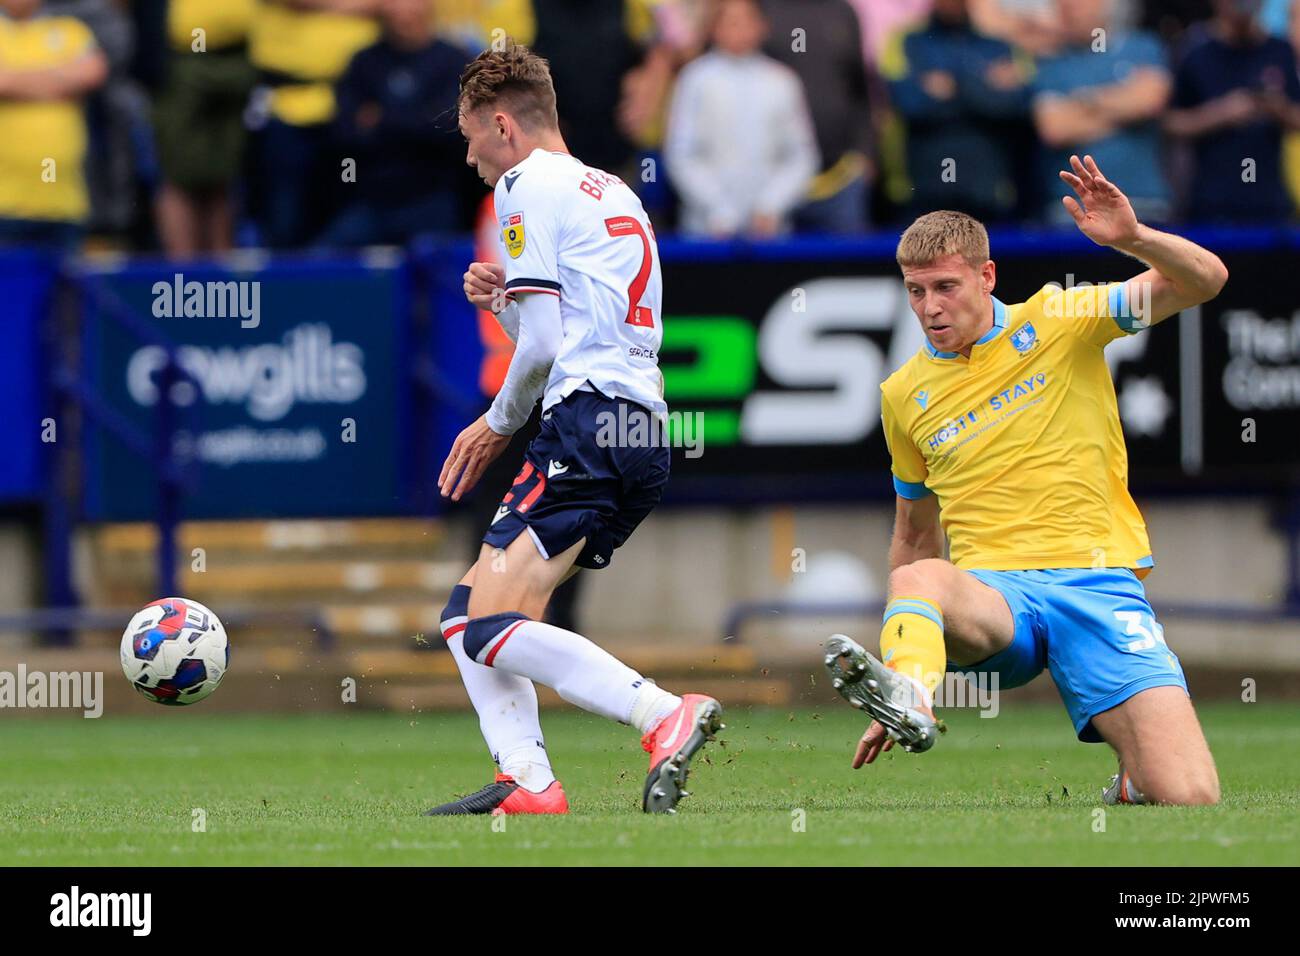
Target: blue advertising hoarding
x,y
26,287
785,394
294,396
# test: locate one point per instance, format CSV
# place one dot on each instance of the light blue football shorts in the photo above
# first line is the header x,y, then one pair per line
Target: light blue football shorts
x,y
1092,628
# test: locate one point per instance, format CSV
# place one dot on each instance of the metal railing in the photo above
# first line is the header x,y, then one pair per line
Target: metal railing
x,y
78,401
72,619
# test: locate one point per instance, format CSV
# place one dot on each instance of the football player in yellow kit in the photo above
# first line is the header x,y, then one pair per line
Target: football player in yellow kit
x,y
1005,439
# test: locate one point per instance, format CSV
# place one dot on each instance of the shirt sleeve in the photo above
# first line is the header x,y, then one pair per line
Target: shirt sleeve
x,y
908,467
1097,314
1048,79
528,212
508,319
1145,50
77,38
540,333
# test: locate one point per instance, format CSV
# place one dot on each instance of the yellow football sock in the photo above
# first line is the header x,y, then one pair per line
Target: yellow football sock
x,y
911,640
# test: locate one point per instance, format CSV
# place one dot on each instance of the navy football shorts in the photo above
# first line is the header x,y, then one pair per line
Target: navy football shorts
x,y
579,481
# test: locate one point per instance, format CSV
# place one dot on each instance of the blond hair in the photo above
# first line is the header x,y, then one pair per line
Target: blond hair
x,y
514,79
943,233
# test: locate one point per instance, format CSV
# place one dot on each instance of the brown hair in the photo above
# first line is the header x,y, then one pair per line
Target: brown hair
x,y
943,233
514,79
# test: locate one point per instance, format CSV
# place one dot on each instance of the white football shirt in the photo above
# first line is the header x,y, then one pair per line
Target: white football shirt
x,y
580,233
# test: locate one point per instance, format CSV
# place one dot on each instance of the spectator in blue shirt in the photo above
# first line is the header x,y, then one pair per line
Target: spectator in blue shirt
x,y
1102,93
964,100
396,117
1236,94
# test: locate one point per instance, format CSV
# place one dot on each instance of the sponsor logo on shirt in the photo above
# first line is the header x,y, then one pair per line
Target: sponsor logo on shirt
x,y
1008,398
512,233
1024,338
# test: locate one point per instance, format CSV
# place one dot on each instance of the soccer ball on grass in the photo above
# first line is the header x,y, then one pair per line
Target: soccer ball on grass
x,y
175,651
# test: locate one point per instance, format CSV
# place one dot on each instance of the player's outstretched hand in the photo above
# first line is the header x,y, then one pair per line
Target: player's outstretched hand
x,y
1106,216
474,449
873,743
482,282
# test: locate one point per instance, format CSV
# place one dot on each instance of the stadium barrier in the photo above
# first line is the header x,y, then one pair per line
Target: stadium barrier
x,y
746,612
262,386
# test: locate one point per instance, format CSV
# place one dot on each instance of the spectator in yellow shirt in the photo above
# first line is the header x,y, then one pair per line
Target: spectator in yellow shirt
x,y
301,47
47,65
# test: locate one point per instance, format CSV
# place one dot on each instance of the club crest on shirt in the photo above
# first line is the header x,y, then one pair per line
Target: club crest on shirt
x,y
512,233
1024,338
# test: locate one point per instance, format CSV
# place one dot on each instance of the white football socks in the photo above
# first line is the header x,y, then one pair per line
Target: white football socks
x,y
507,714
580,672
652,705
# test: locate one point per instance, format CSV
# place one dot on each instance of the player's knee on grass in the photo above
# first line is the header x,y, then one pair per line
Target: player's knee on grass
x,y
482,633
1180,772
1162,747
1178,785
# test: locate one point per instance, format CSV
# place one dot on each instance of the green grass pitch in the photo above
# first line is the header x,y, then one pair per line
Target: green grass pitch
x,y
349,789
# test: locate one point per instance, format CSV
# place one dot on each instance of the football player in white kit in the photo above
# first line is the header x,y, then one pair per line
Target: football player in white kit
x,y
582,291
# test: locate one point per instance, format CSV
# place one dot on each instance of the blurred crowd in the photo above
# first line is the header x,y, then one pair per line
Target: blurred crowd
x,y
194,126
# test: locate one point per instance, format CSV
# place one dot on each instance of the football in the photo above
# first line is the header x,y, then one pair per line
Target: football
x,y
175,651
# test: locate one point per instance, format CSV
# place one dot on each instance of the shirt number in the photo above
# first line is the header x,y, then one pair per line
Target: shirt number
x,y
1147,635
636,314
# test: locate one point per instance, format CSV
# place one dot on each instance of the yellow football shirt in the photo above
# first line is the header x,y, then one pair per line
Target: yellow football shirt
x,y
1022,441
43,142
518,19
310,47
224,23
